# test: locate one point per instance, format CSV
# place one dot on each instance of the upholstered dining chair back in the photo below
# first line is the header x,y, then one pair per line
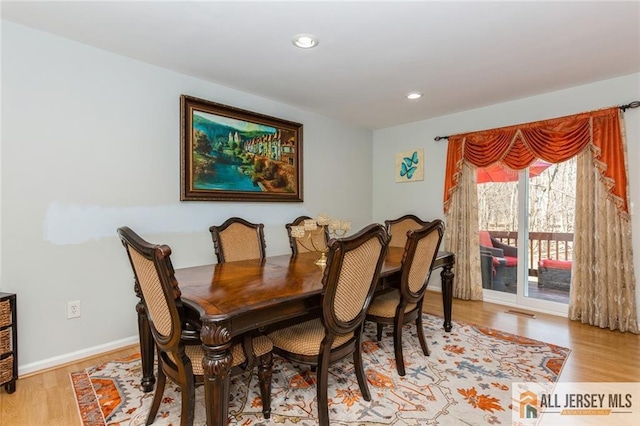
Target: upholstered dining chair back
x,y
398,228
421,251
154,274
351,275
349,280
238,239
319,240
400,306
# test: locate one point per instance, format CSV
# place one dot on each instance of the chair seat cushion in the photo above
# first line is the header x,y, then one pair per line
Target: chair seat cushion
x,y
511,261
261,345
196,353
305,338
385,305
553,263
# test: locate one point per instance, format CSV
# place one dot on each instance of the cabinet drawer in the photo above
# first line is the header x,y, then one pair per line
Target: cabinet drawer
x,y
6,369
5,313
5,341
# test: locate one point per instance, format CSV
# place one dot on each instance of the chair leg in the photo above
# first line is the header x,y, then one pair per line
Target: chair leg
x,y
397,345
357,362
188,391
265,370
157,397
321,390
379,333
423,341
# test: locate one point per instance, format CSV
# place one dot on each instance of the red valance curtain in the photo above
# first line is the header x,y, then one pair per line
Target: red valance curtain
x,y
554,140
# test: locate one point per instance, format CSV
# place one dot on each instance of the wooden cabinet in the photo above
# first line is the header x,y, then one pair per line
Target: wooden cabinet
x,y
8,342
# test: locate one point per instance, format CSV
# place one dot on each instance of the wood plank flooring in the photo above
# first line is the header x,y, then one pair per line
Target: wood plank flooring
x,y
598,355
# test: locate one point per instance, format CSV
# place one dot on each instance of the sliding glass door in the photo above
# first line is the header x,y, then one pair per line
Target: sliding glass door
x,y
528,218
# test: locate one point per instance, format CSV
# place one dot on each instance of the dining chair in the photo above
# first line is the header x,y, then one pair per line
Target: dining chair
x,y
238,239
181,362
349,280
508,255
404,305
319,240
398,228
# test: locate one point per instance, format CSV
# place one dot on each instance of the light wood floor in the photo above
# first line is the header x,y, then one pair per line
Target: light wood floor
x,y
597,356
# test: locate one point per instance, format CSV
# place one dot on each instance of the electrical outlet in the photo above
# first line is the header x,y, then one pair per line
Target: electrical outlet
x,y
73,309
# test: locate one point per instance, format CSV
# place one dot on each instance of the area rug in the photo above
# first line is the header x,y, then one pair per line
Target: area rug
x,y
467,380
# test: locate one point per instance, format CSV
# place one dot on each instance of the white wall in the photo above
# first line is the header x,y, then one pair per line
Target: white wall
x,y
90,142
425,198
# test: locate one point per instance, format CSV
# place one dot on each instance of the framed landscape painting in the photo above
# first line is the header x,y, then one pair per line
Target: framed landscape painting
x,y
230,154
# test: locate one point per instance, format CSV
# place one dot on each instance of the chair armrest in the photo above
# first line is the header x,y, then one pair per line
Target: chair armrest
x,y
496,252
508,250
486,268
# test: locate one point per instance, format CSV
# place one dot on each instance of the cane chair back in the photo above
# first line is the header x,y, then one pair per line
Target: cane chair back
x,y
182,362
349,280
398,307
238,239
319,240
398,228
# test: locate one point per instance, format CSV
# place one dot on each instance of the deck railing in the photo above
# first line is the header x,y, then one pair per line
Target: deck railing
x,y
542,245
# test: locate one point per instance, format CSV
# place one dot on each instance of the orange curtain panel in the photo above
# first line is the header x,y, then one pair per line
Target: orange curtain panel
x,y
555,140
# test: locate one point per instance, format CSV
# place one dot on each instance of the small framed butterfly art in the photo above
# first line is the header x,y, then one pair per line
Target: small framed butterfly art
x,y
410,165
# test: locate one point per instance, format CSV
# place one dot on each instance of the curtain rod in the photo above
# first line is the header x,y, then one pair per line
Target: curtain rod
x,y
630,105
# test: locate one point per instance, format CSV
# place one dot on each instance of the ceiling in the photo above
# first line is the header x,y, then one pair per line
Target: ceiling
x,y
461,55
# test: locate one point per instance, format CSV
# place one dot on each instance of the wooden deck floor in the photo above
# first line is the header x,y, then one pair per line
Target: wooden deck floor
x,y
544,293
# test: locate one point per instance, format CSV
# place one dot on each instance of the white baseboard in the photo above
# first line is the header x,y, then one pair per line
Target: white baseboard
x,y
74,356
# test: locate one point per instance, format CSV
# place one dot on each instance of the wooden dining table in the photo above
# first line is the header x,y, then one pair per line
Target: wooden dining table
x,y
237,297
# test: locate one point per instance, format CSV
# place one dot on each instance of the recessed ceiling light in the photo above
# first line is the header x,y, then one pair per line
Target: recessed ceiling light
x,y
305,41
414,95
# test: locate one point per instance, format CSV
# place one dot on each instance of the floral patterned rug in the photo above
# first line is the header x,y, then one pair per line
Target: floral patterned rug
x,y
467,379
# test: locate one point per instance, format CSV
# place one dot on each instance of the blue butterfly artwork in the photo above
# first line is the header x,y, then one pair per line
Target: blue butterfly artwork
x,y
408,166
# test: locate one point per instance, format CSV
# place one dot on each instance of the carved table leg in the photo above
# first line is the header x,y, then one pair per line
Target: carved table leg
x,y
265,370
146,345
447,294
216,363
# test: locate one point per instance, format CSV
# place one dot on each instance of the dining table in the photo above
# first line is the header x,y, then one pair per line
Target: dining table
x,y
233,298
